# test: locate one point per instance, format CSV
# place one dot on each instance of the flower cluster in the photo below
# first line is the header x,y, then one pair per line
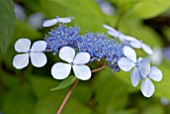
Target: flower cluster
x,y
89,47
62,36
96,44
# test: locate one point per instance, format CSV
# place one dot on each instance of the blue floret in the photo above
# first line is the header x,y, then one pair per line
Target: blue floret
x,y
96,44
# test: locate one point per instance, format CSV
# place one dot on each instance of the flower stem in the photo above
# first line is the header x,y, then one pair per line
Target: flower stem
x,y
67,96
72,88
98,69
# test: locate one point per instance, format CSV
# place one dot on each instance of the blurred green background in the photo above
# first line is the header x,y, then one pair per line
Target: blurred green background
x,y
27,91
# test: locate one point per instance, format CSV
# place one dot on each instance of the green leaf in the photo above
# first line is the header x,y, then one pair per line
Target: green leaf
x,y
162,87
108,89
7,23
19,101
148,8
65,83
42,84
22,29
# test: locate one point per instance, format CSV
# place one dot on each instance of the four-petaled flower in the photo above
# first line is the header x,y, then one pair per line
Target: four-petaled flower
x,y
51,22
127,63
77,62
147,87
38,59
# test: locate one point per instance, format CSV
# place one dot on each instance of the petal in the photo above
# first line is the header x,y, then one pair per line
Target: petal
x,y
135,76
125,64
144,67
50,22
81,58
155,74
67,54
38,59
129,53
82,72
112,33
147,49
147,88
135,44
140,59
22,45
60,70
21,61
39,46
109,28
130,38
64,20
121,37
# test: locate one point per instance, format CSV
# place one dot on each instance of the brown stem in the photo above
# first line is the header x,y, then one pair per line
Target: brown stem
x,y
67,97
72,88
98,69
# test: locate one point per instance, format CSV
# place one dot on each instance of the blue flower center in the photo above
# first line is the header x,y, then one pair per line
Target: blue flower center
x,y
72,63
29,51
137,64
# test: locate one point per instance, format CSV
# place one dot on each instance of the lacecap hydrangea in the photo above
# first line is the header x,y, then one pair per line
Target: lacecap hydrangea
x,y
77,50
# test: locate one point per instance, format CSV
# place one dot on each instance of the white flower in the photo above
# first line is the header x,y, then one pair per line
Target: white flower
x,y
141,71
147,87
141,66
77,62
38,59
133,42
51,22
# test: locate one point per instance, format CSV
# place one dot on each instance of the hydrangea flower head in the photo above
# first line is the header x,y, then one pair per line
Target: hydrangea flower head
x,y
38,58
77,62
96,44
89,47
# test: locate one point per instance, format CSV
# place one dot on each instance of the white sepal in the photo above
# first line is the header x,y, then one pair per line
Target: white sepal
x,y
144,67
67,54
136,44
22,45
64,20
125,64
147,88
129,53
135,77
38,59
60,70
21,61
147,49
81,58
38,46
82,72
50,22
109,28
155,74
